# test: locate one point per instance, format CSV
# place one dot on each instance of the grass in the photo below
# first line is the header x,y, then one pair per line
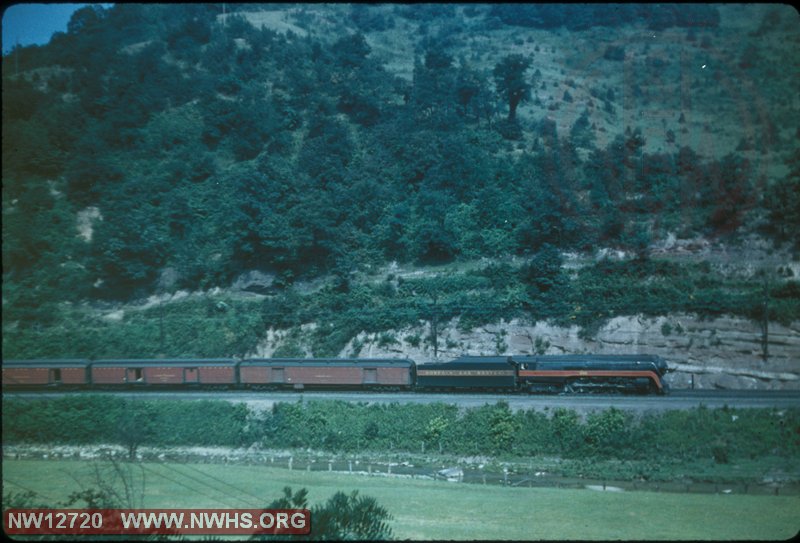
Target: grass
x,y
439,510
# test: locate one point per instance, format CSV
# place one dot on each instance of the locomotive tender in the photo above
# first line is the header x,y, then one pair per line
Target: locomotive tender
x,y
642,374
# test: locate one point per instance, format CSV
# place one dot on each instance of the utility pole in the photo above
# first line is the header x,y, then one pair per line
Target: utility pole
x,y
161,325
765,319
434,326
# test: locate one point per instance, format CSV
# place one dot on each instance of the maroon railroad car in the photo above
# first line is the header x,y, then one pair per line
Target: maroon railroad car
x,y
302,373
38,373
167,372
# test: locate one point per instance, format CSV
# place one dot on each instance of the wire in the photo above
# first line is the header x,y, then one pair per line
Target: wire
x,y
218,480
228,494
186,486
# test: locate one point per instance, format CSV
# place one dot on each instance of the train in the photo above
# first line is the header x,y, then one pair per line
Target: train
x,y
638,374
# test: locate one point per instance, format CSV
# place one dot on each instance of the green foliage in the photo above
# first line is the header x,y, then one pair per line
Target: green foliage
x,y
509,78
608,431
503,428
343,517
583,16
26,499
541,289
782,201
180,329
547,284
719,435
582,134
86,419
213,148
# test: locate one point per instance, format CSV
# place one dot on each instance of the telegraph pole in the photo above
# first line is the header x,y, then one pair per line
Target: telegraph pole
x,y
161,325
765,319
434,326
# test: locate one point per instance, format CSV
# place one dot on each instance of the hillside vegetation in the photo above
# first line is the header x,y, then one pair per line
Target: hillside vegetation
x,y
153,148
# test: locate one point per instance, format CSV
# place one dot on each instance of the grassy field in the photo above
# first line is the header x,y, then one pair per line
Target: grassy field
x,y
440,510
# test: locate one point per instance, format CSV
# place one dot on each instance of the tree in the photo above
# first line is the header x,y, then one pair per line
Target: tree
x,y
342,517
434,90
86,19
471,93
547,283
351,51
582,133
503,428
782,201
509,77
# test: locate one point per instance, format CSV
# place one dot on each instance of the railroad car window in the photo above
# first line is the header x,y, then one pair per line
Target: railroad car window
x,y
137,374
56,376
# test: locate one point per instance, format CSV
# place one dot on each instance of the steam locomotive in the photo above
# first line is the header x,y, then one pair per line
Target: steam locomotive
x,y
639,374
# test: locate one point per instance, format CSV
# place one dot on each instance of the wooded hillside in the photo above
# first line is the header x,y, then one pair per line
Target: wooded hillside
x,y
160,147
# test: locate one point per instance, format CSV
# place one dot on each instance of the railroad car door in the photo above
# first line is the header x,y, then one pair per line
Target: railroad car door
x,y
55,376
190,375
370,376
277,375
134,375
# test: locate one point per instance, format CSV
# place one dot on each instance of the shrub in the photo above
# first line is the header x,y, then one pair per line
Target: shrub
x,y
615,53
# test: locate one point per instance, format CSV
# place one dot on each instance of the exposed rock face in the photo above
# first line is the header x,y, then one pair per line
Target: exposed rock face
x,y
254,281
721,353
85,222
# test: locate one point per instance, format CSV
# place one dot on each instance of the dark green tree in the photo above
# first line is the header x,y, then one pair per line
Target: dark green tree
x,y
351,51
547,283
509,78
472,95
782,200
342,517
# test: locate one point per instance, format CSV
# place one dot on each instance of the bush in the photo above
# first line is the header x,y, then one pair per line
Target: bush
x,y
342,517
87,419
615,53
721,435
